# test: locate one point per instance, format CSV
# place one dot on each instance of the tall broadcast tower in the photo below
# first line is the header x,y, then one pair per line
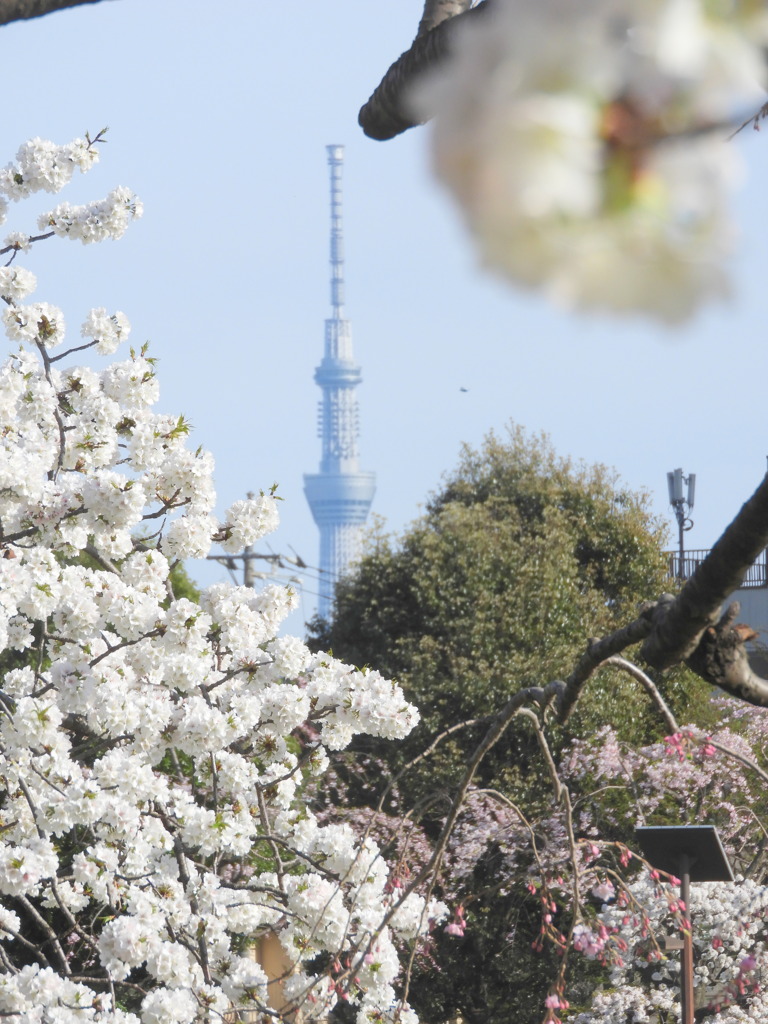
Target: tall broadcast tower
x,y
340,495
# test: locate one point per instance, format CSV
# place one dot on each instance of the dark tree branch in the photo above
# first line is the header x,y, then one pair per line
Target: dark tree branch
x,y
678,624
690,628
438,11
596,653
721,658
20,10
649,686
387,113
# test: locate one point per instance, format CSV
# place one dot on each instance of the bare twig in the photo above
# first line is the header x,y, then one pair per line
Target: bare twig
x,y
754,120
562,797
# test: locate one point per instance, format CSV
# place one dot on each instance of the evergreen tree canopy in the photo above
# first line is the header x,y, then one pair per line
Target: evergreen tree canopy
x,y
519,559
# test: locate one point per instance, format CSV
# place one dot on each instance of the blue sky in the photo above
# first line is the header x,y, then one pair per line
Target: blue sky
x,y
219,121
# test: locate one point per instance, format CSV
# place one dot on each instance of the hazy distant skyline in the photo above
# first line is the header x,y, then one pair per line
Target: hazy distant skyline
x,y
220,125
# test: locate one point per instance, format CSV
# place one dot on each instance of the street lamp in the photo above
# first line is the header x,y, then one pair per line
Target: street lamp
x,y
693,853
678,500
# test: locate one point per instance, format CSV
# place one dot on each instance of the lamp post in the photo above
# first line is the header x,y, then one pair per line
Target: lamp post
x,y
693,853
679,501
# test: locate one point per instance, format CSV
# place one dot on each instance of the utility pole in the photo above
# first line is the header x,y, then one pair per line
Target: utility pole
x,y
248,557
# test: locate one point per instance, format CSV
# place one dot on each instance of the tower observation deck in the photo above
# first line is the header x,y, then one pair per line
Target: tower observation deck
x,y
340,494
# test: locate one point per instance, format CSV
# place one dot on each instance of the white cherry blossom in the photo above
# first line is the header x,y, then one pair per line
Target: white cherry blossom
x,y
151,749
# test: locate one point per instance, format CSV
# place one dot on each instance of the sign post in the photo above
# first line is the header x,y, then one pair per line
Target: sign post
x,y
692,853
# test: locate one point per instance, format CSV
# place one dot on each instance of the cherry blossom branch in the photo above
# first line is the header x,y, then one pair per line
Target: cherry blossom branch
x,y
10,967
100,559
63,908
51,936
111,648
90,979
499,724
265,824
32,238
75,348
185,879
648,685
752,868
742,759
597,652
32,531
387,113
427,752
33,947
754,120
563,798
56,411
500,798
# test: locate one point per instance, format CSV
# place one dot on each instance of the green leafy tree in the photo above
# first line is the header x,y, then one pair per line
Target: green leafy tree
x,y
518,560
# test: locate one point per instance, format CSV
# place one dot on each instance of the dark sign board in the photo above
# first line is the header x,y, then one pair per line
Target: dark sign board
x,y
665,846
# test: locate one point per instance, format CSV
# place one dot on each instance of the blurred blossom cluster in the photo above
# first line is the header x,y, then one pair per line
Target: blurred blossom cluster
x,y
588,144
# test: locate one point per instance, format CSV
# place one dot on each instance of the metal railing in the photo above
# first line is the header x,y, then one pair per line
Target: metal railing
x,y
757,575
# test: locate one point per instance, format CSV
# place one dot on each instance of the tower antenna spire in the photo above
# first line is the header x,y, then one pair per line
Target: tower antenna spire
x,y
340,494
336,162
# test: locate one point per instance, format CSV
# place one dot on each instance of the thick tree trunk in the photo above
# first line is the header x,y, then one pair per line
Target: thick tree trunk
x,y
19,10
